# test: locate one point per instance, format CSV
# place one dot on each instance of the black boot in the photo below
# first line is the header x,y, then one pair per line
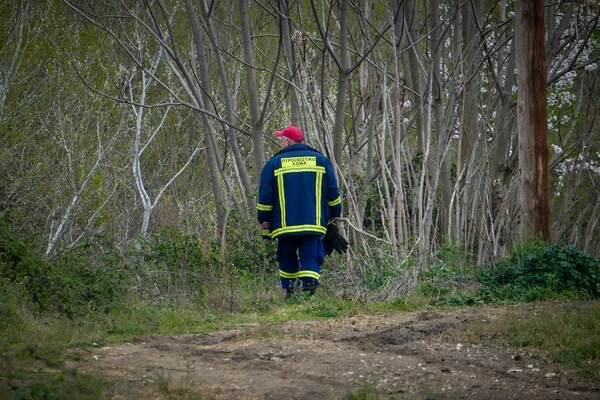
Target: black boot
x,y
288,293
310,287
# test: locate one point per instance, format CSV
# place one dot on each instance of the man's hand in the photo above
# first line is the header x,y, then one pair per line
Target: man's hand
x,y
265,225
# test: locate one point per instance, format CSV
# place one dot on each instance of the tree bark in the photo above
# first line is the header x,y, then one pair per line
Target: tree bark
x,y
532,122
242,170
253,98
342,85
210,139
288,51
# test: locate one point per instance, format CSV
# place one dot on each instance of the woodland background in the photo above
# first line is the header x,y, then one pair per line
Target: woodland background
x,y
128,124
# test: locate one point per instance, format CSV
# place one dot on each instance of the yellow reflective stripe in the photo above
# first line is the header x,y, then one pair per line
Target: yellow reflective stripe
x,y
335,202
292,168
288,170
288,275
299,228
309,274
318,183
281,191
264,207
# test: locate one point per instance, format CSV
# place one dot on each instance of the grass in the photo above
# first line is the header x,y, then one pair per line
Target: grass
x,y
367,392
568,332
39,371
34,355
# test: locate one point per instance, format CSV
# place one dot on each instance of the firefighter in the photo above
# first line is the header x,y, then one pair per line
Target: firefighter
x,y
298,196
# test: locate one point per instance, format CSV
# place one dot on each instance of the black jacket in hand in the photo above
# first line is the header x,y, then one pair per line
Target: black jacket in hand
x,y
334,240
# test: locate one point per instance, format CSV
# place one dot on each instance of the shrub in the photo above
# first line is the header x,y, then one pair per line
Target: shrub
x,y
21,266
81,280
541,273
531,273
85,279
173,264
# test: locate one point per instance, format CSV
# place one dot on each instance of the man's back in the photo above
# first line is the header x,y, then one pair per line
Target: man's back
x,y
299,184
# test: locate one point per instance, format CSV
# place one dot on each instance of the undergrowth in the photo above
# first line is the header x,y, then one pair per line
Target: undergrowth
x,y
532,273
171,283
568,332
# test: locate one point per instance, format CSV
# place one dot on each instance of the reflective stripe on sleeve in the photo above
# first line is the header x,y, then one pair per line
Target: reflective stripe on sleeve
x,y
264,207
335,202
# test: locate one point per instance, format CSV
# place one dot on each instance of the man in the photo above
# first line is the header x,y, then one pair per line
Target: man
x,y
298,196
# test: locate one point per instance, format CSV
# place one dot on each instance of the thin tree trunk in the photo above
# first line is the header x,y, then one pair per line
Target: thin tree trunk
x,y
210,137
342,85
253,99
288,47
78,190
443,139
501,168
242,170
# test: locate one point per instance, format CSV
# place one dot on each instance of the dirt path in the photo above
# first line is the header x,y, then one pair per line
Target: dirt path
x,y
417,355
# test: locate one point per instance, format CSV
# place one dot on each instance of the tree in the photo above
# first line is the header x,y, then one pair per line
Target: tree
x,y
415,101
532,120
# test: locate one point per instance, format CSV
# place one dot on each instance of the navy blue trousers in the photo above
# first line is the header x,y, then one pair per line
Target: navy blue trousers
x,y
300,257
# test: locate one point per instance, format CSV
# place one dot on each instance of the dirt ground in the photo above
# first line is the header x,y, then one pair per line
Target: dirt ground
x,y
411,355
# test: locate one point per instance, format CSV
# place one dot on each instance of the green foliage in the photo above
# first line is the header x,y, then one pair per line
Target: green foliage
x,y
10,312
256,256
532,273
40,373
541,273
177,251
19,265
174,264
169,266
76,282
451,280
380,273
381,270
89,280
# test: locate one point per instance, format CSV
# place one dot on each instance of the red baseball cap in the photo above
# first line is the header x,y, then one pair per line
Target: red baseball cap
x,y
291,132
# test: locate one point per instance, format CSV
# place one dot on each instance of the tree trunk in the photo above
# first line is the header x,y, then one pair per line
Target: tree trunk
x,y
240,165
532,122
288,51
210,139
504,133
253,98
442,135
342,85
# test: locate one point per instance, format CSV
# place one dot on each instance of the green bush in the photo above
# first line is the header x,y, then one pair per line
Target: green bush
x,y
173,264
178,251
86,279
74,283
541,273
22,267
451,280
532,273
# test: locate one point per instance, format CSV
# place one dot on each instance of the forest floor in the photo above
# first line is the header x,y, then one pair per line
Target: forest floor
x,y
449,354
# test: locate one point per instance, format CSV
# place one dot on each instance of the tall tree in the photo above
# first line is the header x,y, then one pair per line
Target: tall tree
x,y
532,121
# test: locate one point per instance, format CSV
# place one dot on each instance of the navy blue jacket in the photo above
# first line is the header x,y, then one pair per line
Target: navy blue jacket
x,y
298,192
